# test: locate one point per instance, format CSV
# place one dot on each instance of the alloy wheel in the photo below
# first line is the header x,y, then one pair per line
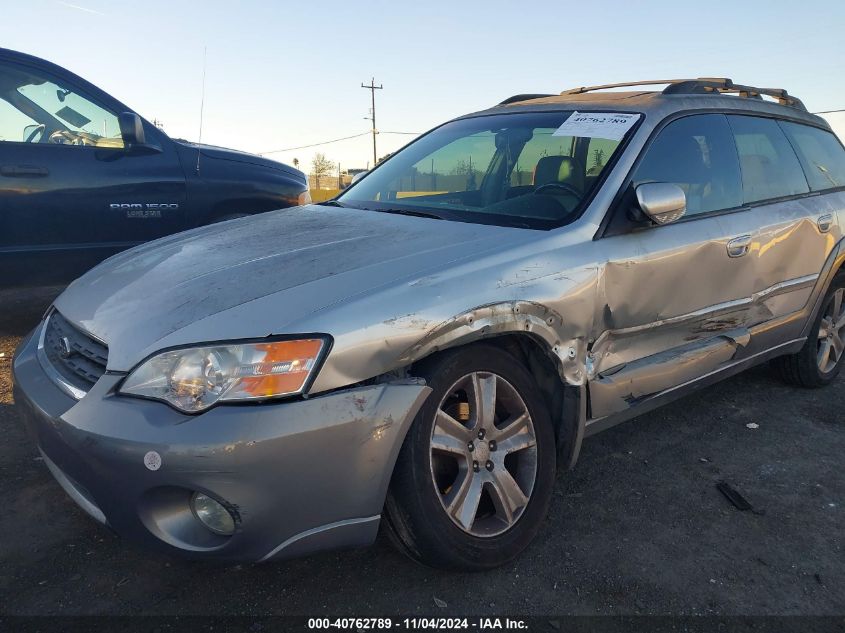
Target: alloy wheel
x,y
830,341
483,454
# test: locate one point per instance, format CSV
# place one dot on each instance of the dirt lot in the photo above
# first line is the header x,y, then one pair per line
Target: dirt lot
x,y
637,527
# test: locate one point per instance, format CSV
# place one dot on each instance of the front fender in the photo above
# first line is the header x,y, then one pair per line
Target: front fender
x,y
497,319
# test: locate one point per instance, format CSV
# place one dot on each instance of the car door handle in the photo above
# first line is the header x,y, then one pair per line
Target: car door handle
x,y
824,222
23,170
738,246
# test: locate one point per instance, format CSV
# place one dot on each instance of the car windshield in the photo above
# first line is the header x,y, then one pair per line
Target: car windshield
x,y
530,170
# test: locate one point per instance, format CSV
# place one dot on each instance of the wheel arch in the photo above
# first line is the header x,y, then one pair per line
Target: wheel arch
x,y
566,402
834,266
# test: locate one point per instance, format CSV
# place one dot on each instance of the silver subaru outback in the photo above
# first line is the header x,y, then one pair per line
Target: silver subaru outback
x,y
427,350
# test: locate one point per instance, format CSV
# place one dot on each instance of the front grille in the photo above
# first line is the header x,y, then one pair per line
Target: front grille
x,y
78,358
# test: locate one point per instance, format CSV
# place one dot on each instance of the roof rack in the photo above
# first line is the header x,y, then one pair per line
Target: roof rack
x,y
524,97
649,82
702,85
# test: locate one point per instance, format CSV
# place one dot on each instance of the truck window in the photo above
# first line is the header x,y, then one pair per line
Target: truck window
x,y
821,154
13,123
770,168
68,118
696,153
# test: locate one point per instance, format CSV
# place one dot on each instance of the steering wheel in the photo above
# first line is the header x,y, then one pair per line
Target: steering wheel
x,y
558,185
39,129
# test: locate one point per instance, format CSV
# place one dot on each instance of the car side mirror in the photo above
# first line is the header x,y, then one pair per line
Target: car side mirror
x,y
133,135
358,177
662,202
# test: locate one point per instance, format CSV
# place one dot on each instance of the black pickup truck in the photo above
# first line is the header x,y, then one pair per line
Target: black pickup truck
x,y
82,176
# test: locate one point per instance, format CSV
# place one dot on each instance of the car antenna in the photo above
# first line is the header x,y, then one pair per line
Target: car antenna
x,y
202,106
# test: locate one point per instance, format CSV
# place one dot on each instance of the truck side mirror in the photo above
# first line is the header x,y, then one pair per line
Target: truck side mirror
x,y
662,202
132,133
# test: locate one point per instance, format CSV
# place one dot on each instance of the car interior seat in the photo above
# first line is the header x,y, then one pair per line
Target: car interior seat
x,y
559,169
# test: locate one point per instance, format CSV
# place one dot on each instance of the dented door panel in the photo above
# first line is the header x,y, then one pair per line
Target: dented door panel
x,y
668,292
788,257
636,382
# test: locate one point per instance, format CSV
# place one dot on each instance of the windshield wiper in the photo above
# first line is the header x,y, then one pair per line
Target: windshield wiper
x,y
411,212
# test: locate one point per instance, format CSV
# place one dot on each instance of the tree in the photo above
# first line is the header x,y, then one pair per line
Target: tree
x,y
466,168
321,166
296,163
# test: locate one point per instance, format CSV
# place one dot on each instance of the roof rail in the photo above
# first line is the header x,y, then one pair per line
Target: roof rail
x,y
649,82
706,85
524,97
703,85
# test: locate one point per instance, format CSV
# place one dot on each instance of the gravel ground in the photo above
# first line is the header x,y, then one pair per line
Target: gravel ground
x,y
637,528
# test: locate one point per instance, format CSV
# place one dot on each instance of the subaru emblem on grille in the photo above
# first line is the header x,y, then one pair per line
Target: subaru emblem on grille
x,y
66,350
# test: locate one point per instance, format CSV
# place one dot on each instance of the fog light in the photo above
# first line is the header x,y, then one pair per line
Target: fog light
x,y
212,514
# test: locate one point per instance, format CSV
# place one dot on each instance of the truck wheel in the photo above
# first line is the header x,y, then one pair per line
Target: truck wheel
x,y
475,474
820,360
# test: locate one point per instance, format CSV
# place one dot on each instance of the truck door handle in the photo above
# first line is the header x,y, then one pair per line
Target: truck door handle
x,y
23,170
824,222
738,246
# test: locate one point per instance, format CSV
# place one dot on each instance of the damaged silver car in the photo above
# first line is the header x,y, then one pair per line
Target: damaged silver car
x,y
427,350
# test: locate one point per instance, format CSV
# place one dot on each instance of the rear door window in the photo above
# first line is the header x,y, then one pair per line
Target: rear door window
x,y
821,154
696,153
770,168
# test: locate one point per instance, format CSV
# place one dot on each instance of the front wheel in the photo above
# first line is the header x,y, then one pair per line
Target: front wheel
x,y
475,474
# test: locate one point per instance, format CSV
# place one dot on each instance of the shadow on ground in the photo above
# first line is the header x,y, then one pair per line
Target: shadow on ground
x,y
22,308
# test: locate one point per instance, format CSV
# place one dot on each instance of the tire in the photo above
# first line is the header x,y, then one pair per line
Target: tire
x,y
427,479
819,361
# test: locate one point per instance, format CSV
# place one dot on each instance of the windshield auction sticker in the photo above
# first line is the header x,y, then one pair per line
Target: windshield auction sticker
x,y
609,125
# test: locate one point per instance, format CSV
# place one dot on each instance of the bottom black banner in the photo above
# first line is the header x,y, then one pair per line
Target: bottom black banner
x,y
486,624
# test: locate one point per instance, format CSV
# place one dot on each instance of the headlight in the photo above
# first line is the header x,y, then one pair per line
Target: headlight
x,y
193,379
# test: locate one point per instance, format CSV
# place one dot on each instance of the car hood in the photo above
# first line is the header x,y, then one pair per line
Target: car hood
x,y
224,153
290,263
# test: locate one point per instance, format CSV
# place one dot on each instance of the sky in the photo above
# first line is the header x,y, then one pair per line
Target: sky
x,y
286,74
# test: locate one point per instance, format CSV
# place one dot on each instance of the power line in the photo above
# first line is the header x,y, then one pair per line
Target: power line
x,y
829,111
334,140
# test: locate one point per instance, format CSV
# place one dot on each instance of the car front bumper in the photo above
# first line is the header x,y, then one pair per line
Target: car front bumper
x,y
298,476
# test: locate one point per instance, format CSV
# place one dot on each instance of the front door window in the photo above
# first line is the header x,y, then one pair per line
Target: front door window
x,y
36,109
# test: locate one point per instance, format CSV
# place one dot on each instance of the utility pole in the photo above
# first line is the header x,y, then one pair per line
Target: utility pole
x,y
372,88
